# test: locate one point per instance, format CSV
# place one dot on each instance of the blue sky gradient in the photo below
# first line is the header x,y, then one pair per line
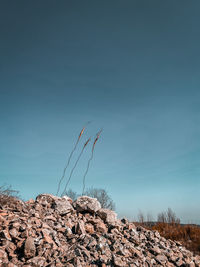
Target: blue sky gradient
x,y
131,67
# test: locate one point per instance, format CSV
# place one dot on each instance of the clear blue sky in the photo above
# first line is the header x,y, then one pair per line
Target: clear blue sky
x,y
131,67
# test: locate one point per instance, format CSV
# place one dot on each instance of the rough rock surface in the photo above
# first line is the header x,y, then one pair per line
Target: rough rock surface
x,y
85,203
109,216
53,231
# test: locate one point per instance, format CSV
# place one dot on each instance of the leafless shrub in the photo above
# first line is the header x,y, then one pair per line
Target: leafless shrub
x,y
102,196
141,217
73,195
168,217
8,195
162,218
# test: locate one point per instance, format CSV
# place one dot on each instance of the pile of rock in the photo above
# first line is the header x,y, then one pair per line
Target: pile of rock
x,y
53,231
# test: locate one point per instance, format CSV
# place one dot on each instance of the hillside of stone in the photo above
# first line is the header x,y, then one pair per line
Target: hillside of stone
x,y
53,231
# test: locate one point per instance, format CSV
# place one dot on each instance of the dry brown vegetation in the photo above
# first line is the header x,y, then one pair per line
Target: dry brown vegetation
x,y
188,235
169,226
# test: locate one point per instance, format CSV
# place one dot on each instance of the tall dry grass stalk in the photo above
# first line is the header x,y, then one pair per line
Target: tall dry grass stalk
x,y
90,159
86,143
70,156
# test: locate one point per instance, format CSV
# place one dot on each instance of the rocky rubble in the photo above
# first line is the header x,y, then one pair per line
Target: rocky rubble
x,y
53,231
